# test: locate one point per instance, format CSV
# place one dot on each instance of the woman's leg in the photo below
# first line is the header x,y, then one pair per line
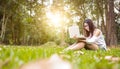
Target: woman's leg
x,y
77,46
71,46
92,47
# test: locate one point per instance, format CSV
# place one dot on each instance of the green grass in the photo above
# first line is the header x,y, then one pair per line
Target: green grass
x,y
11,57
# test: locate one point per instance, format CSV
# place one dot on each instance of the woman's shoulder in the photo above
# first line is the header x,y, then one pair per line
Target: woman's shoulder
x,y
97,30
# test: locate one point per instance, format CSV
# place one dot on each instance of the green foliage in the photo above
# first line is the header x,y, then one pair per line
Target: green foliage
x,y
69,40
18,55
28,23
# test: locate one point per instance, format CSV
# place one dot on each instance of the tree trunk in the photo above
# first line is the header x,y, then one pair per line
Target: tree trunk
x,y
111,38
4,22
3,27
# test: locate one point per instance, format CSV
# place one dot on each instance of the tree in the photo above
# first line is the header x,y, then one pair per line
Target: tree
x,y
111,37
26,21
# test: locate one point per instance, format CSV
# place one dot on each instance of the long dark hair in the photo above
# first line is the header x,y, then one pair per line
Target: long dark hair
x,y
91,27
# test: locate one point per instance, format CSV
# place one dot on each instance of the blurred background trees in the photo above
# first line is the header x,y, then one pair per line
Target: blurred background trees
x,y
35,22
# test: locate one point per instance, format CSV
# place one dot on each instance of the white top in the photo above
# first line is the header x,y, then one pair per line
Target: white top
x,y
99,40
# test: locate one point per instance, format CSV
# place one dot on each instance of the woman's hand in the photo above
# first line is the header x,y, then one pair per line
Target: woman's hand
x,y
75,37
82,40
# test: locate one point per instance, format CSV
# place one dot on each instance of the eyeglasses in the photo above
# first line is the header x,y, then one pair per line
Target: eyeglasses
x,y
85,25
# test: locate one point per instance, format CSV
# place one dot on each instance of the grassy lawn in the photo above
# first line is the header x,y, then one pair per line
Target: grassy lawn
x,y
11,57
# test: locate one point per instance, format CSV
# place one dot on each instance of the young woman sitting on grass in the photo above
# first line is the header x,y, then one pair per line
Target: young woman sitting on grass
x,y
94,38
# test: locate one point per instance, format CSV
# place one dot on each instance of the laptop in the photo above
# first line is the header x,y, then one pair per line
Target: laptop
x,y
74,31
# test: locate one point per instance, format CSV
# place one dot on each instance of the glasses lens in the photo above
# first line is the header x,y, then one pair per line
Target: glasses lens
x,y
85,25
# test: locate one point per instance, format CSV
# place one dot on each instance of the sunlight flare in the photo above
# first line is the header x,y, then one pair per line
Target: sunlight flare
x,y
55,19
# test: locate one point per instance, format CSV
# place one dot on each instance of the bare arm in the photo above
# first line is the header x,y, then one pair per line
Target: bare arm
x,y
94,37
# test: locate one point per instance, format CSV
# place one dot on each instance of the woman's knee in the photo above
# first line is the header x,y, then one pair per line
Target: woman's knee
x,y
92,47
81,44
